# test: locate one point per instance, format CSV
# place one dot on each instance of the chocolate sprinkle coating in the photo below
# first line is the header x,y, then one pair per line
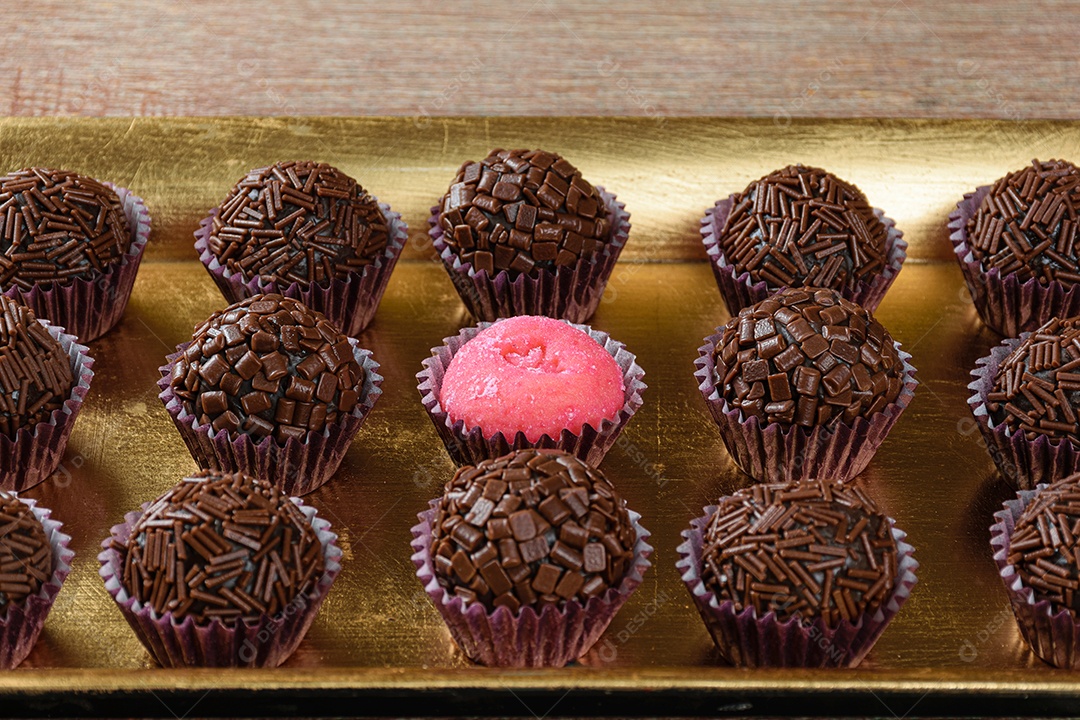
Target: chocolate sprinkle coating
x,y
523,211
268,366
532,528
1027,223
1037,387
812,550
58,226
221,546
300,222
35,372
26,558
807,357
1044,548
803,226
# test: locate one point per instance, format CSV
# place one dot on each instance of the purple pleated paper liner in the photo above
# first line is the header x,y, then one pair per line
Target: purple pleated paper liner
x,y
567,293
90,308
739,290
1006,306
350,304
1054,637
468,447
1022,463
20,625
267,642
296,467
748,641
551,638
778,453
35,453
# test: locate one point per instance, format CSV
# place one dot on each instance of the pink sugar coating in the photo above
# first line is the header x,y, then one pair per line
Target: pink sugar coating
x,y
534,375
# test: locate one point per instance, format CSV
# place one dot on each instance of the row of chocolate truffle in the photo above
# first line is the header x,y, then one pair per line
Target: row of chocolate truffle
x,y
72,245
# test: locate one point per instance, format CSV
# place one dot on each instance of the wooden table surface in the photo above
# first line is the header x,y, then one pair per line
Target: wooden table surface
x,y
781,59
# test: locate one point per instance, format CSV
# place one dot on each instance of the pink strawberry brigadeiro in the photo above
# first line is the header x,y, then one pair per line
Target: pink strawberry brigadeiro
x,y
534,375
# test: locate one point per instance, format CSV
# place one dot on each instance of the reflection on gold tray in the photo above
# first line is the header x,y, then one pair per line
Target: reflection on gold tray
x,y
378,645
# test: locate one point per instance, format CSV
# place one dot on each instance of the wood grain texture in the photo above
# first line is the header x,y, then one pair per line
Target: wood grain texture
x,y
880,58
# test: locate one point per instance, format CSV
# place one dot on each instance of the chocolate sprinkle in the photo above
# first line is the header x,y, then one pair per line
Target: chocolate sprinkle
x,y
804,226
35,372
1044,546
523,211
268,366
300,222
1026,224
807,357
26,558
1037,387
535,527
58,226
811,550
221,546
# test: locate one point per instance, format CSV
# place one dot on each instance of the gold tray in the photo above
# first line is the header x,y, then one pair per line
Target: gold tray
x,y
378,646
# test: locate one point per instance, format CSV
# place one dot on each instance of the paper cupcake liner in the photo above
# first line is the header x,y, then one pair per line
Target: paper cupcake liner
x,y
1022,463
470,446
296,467
1054,637
739,290
90,308
266,642
746,640
35,453
778,453
1006,305
21,625
569,293
350,304
552,637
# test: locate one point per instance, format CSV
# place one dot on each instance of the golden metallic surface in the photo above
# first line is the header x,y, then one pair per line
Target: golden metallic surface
x,y
377,631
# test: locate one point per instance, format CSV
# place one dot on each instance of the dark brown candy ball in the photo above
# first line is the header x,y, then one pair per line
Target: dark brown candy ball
x,y
57,226
523,211
298,222
534,527
26,558
810,550
1044,548
1026,224
221,546
268,366
807,357
804,226
1037,387
35,372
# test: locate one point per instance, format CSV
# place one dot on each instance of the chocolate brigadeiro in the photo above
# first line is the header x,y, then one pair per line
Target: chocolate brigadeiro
x,y
35,372
1037,387
221,546
523,211
1027,224
268,366
302,222
532,528
57,225
803,226
807,357
26,557
812,550
1044,545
